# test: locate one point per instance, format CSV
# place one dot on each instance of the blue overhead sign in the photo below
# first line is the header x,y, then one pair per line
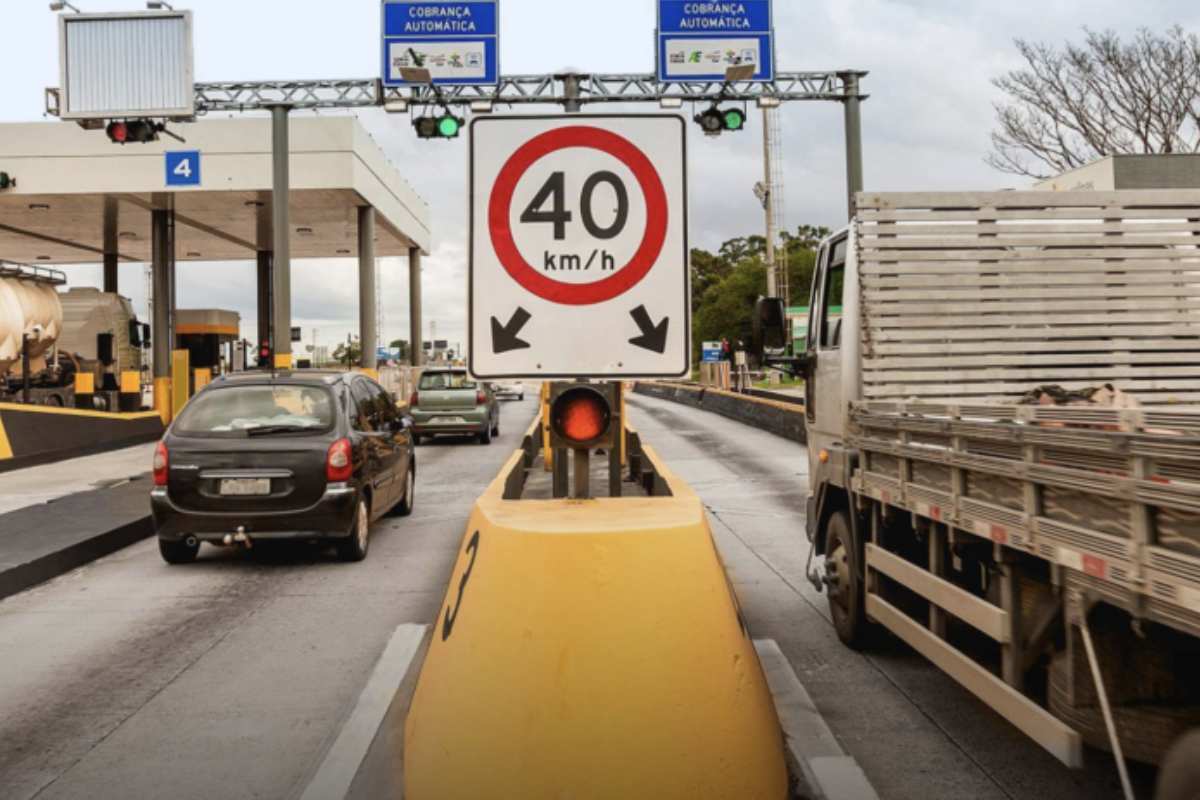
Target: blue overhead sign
x,y
458,42
698,40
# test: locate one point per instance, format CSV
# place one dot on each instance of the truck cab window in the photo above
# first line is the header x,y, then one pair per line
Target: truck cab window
x,y
829,329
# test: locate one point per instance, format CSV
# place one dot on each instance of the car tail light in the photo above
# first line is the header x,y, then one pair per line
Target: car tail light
x,y
160,464
412,401
339,462
480,397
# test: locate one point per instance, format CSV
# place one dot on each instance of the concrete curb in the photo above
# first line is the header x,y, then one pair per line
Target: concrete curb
x,y
784,419
817,759
41,542
366,760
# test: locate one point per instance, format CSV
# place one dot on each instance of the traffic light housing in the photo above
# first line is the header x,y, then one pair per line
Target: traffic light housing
x,y
133,131
447,126
584,415
715,121
264,356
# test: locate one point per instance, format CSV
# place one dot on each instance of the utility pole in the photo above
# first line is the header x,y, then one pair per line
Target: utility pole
x,y
769,204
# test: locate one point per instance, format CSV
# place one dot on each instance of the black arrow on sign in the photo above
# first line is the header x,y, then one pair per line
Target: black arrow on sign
x,y
504,337
654,337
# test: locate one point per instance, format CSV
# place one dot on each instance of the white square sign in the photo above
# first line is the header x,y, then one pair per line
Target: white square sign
x,y
579,247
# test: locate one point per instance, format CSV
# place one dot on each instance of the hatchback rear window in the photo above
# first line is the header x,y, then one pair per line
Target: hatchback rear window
x,y
239,410
434,381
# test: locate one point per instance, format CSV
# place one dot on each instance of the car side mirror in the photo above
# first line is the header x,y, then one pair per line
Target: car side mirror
x,y
770,327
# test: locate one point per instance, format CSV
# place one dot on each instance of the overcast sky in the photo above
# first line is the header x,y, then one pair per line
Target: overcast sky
x,y
926,123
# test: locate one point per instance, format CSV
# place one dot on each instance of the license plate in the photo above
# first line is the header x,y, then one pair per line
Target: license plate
x,y
451,420
245,487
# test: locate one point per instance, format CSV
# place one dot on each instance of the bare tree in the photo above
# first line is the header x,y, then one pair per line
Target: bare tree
x,y
1068,107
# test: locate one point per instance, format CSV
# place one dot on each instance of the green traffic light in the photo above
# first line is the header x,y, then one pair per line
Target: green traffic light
x,y
448,126
735,120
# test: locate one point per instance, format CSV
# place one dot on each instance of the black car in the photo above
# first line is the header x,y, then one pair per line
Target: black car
x,y
289,455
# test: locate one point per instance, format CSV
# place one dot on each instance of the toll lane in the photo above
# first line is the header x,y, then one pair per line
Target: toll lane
x,y
914,731
229,677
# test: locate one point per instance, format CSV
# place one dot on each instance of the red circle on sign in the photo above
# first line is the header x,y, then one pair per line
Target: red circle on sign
x,y
578,294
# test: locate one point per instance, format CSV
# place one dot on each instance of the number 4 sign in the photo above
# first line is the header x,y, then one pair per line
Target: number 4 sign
x,y
579,258
183,168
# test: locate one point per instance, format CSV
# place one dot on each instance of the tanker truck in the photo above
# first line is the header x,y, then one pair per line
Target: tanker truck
x,y
48,337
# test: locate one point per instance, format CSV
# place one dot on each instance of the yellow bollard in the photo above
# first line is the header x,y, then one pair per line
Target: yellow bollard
x,y
180,381
162,399
283,361
591,649
201,377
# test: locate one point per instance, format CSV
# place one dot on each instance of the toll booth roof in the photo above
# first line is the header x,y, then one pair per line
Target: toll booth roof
x,y
75,189
207,322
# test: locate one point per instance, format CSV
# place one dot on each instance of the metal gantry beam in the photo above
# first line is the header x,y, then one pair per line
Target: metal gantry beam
x,y
523,89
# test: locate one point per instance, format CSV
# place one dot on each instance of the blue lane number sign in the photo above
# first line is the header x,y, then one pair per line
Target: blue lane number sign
x,y
183,168
699,39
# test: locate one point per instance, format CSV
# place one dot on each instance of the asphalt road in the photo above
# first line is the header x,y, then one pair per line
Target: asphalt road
x,y
914,731
227,678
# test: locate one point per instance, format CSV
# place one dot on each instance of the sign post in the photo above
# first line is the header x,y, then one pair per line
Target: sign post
x,y
458,42
699,41
579,255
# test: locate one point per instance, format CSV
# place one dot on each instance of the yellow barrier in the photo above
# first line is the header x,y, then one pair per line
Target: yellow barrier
x,y
370,373
283,361
131,382
85,383
201,377
591,649
180,381
162,399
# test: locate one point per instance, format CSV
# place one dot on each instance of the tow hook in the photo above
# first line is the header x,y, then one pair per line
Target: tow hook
x,y
238,538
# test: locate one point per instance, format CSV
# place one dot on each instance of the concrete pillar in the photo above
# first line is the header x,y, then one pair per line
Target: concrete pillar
x,y
264,299
162,264
414,306
366,286
281,316
111,284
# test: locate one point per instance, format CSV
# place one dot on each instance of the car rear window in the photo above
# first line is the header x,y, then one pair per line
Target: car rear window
x,y
238,410
434,381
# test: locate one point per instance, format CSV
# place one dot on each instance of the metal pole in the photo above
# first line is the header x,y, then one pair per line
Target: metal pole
x,y
264,300
281,329
160,270
854,162
25,368
367,290
559,475
414,306
583,474
768,181
110,245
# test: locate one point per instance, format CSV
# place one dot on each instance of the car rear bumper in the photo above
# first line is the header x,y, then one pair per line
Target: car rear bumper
x,y
431,423
331,517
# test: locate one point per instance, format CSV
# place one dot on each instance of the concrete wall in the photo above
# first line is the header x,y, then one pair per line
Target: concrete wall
x,y
780,418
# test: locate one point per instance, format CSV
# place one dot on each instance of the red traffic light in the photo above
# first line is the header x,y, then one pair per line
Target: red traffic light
x,y
118,132
138,131
581,417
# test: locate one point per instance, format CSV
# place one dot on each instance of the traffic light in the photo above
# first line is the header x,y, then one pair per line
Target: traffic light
x,y
716,121
264,355
446,126
584,415
133,131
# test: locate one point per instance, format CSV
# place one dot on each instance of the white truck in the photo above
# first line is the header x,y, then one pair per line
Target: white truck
x,y
1027,547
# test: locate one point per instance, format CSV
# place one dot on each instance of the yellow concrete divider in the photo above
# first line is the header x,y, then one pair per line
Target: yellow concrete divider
x,y
85,383
131,382
283,361
591,649
201,377
181,383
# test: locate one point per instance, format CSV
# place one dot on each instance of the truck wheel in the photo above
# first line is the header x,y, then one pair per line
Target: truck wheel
x,y
182,552
843,585
1179,777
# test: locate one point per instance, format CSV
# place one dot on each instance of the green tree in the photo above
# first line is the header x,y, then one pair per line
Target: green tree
x,y
355,353
401,346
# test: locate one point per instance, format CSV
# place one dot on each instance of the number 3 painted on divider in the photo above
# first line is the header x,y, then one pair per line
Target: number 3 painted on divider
x,y
452,613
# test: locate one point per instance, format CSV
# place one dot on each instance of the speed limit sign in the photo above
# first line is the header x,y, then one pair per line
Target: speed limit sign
x,y
579,254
